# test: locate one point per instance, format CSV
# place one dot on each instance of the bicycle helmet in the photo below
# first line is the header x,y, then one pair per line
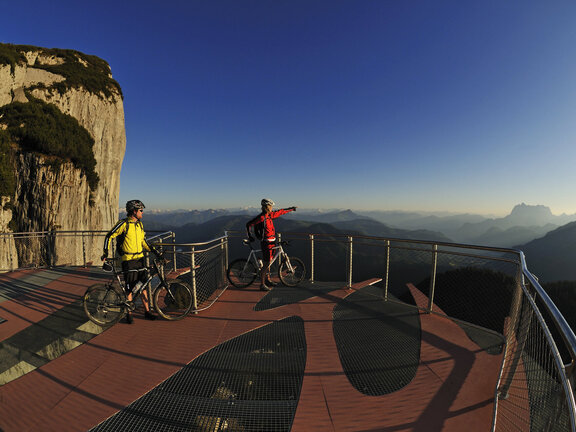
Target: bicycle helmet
x,y
267,202
133,205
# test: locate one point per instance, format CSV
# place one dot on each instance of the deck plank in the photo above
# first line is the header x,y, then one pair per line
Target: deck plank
x,y
452,390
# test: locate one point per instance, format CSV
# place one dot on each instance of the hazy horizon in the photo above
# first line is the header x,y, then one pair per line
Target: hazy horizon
x,y
355,210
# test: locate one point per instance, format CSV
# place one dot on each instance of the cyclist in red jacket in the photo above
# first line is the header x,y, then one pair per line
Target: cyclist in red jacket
x,y
264,230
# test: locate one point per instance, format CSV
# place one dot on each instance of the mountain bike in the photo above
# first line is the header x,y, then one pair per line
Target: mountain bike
x,y
106,304
242,272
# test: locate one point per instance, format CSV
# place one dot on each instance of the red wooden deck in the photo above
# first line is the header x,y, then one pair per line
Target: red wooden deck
x,y
453,389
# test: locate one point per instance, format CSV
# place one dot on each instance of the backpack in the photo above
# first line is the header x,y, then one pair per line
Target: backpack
x,y
259,230
120,239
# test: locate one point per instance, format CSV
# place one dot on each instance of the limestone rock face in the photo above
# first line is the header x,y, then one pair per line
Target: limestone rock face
x,y
53,196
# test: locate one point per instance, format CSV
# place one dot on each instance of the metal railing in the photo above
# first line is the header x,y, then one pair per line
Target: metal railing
x,y
203,265
489,292
56,248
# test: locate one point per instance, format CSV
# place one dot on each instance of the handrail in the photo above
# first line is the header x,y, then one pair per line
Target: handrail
x,y
400,240
51,232
207,262
202,243
557,358
521,339
559,321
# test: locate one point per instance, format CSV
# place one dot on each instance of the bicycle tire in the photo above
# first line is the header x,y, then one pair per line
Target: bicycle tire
x,y
104,304
292,278
173,300
241,273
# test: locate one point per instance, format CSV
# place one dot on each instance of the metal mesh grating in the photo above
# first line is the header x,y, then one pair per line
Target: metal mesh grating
x,y
207,276
378,342
210,274
282,295
250,383
531,391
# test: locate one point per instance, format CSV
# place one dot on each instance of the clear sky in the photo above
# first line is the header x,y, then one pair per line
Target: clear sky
x,y
466,106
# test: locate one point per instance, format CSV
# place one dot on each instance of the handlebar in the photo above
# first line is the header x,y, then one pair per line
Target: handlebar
x,y
108,264
247,242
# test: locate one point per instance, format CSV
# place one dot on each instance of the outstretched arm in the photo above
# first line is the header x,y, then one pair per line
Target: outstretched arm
x,y
277,213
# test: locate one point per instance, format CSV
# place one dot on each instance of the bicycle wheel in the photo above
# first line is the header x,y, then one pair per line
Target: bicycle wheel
x,y
173,300
292,277
104,304
241,273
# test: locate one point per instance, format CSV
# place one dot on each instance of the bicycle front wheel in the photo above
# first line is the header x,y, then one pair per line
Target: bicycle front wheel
x,y
104,304
173,300
292,271
241,273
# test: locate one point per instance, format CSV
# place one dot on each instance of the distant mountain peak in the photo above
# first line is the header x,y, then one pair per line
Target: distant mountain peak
x,y
533,210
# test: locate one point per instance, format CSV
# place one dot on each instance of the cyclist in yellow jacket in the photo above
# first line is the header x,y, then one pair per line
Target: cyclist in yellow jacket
x,y
131,246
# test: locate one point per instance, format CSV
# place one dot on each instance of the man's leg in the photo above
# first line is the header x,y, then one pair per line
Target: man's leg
x,y
265,247
130,281
145,300
129,314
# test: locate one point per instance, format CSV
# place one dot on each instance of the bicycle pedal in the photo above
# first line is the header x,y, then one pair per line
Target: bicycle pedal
x,y
130,306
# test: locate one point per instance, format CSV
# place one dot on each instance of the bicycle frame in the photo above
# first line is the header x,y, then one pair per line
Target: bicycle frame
x,y
259,263
242,271
152,271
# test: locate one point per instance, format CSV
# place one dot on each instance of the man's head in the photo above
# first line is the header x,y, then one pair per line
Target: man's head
x,y
135,208
267,205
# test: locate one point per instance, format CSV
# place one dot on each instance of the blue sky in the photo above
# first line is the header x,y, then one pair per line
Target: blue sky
x,y
365,104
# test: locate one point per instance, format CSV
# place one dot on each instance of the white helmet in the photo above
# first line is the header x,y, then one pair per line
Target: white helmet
x,y
266,202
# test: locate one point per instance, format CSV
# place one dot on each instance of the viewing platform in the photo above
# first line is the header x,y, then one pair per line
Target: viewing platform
x,y
322,356
452,388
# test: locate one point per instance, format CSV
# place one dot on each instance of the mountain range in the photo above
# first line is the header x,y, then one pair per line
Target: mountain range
x,y
548,241
524,224
553,256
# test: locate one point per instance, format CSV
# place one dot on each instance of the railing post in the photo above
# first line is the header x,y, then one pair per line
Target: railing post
x,y
84,249
193,275
224,259
433,277
173,236
350,262
10,251
387,270
311,258
50,239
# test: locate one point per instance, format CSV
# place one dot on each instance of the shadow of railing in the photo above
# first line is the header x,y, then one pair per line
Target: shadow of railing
x,y
477,287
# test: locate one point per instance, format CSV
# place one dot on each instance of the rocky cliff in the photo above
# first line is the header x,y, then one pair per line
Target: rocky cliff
x,y
59,170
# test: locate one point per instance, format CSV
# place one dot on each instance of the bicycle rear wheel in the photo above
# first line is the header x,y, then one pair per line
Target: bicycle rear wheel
x,y
104,304
173,300
292,276
241,273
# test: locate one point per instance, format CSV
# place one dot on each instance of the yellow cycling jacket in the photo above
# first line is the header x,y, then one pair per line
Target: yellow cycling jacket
x,y
134,243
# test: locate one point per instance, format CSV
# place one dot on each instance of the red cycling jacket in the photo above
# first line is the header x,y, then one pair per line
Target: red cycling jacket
x,y
269,233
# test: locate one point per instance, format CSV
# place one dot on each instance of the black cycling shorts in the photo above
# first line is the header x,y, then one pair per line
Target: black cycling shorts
x,y
132,277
